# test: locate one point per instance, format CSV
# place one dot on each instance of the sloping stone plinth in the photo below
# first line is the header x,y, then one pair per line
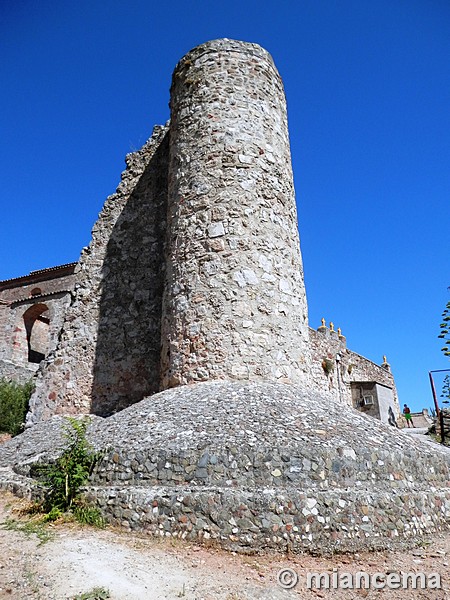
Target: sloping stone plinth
x,y
254,466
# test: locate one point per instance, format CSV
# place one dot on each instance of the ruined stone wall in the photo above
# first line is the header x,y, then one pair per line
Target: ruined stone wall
x,y
52,306
234,304
18,373
334,377
194,271
32,307
109,351
251,464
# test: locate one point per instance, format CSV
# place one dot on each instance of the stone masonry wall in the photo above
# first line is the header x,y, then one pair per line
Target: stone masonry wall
x,y
53,306
234,301
352,367
194,273
234,304
19,373
45,293
253,466
109,351
218,293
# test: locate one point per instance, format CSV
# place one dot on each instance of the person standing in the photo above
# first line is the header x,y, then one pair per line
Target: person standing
x,y
407,415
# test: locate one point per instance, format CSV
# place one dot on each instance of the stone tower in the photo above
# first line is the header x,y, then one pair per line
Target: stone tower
x,y
194,271
234,304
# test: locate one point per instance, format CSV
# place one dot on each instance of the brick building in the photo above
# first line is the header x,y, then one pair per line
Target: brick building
x,y
32,309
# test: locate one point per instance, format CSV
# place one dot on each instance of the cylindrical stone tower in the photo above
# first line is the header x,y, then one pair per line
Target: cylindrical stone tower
x,y
234,303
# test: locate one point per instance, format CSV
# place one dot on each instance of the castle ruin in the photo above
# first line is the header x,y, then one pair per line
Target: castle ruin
x,y
183,329
194,272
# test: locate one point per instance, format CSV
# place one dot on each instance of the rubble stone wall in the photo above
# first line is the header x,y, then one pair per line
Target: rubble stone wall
x,y
194,271
108,355
334,367
288,520
53,307
253,466
235,304
18,373
229,262
46,293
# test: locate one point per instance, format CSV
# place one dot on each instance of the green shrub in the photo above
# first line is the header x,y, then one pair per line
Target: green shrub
x,y
14,399
53,515
71,470
63,478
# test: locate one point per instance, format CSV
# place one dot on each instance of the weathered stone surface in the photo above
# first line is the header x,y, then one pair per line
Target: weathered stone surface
x,y
230,177
194,274
109,348
351,367
32,309
255,466
234,301
218,293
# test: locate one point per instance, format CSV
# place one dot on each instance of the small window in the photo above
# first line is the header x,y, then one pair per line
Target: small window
x,y
368,400
36,292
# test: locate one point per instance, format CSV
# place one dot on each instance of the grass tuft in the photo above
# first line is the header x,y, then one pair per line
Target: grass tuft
x,y
32,527
97,593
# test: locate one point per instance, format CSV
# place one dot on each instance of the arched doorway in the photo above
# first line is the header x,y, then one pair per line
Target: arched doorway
x,y
37,324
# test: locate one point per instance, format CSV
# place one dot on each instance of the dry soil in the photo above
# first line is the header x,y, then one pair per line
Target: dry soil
x,y
133,567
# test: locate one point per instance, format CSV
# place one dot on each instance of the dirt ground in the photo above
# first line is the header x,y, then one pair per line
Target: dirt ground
x,y
77,559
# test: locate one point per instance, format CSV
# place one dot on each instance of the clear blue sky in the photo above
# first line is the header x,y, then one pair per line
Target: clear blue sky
x,y
368,89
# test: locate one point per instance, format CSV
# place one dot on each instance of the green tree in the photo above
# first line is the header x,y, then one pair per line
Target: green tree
x,y
446,390
445,330
14,399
